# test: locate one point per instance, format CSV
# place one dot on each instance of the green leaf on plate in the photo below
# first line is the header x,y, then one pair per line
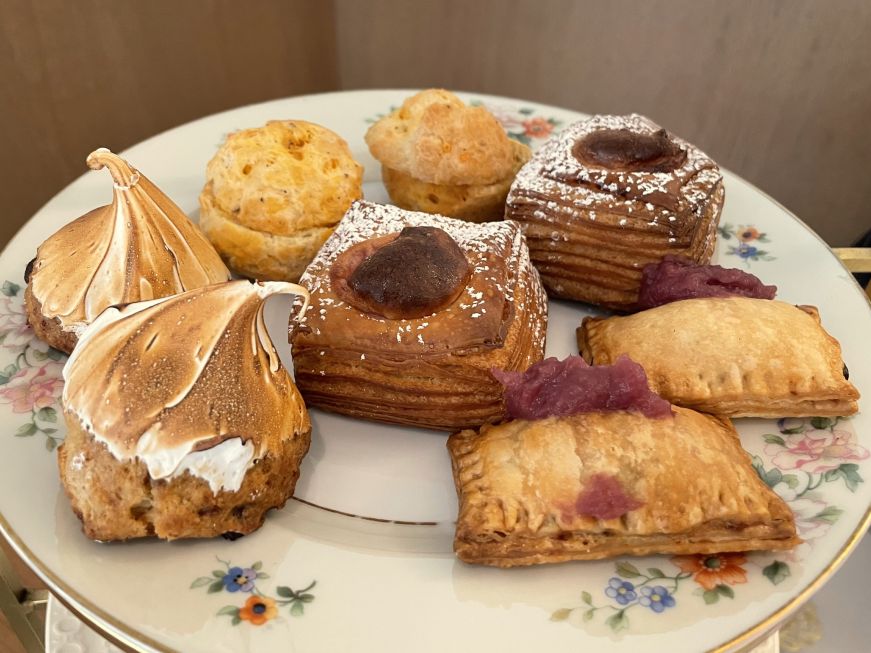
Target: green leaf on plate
x,y
50,444
711,597
560,615
774,439
200,582
829,514
791,480
627,569
235,621
217,573
26,429
850,472
55,354
47,414
285,592
229,609
10,289
257,566
216,587
776,572
653,572
589,614
296,609
725,590
821,422
586,598
618,621
262,575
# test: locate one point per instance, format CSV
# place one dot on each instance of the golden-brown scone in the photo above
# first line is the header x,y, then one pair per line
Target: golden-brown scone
x,y
600,485
476,203
434,137
730,356
608,195
139,247
431,370
218,431
274,194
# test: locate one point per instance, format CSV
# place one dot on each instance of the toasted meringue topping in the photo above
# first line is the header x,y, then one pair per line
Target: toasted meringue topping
x,y
140,247
170,380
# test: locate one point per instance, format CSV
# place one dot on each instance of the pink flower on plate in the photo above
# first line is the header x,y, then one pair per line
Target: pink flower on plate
x,y
816,451
32,388
508,118
13,323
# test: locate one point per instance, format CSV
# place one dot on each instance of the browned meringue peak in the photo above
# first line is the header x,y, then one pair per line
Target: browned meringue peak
x,y
158,380
141,246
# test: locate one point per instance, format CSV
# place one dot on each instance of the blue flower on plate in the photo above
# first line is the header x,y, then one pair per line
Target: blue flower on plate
x,y
746,251
656,598
238,579
621,591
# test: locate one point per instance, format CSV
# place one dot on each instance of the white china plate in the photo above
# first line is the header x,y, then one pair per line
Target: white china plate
x,y
373,520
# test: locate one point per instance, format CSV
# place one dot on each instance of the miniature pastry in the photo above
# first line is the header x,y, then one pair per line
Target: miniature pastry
x,y
274,194
735,356
609,195
603,482
181,420
140,247
410,311
440,156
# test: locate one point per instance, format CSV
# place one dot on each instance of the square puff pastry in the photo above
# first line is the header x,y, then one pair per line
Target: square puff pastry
x,y
730,356
432,371
691,487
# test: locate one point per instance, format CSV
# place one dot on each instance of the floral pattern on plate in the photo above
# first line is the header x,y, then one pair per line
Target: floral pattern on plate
x,y
748,237
30,371
259,608
802,457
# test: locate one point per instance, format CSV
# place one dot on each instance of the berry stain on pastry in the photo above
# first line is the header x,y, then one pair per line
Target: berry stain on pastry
x,y
439,155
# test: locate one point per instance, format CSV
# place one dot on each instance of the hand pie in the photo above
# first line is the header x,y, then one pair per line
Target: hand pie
x,y
606,484
730,356
608,195
409,313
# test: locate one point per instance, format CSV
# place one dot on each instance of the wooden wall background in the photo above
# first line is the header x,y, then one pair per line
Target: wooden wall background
x,y
777,90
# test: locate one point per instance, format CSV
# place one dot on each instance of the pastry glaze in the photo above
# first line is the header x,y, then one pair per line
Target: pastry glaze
x,y
139,247
200,369
608,195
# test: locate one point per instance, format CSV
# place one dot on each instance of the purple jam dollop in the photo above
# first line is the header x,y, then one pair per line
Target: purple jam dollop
x,y
558,388
675,278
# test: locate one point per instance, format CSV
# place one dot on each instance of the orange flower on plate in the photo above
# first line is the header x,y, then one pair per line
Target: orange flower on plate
x,y
746,234
715,569
537,127
258,610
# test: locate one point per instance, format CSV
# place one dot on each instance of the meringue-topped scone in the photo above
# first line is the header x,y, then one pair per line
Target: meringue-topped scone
x,y
182,421
141,246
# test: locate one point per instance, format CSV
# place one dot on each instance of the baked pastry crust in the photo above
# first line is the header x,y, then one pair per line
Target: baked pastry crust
x,y
730,356
592,229
473,202
432,371
519,482
274,194
443,157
